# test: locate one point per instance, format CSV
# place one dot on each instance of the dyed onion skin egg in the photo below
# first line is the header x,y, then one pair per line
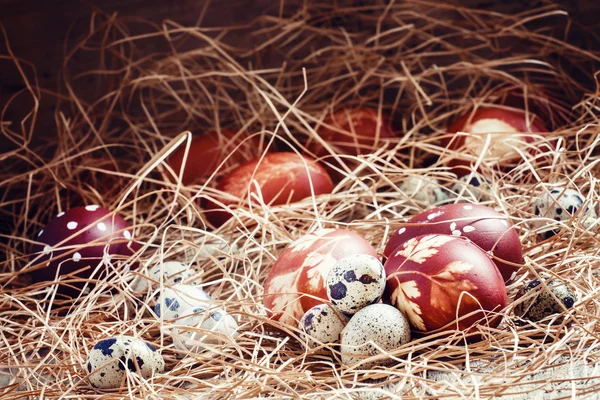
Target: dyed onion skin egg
x,y
207,152
282,178
380,324
561,204
435,278
78,238
485,227
323,325
536,302
502,123
297,280
110,358
353,132
354,282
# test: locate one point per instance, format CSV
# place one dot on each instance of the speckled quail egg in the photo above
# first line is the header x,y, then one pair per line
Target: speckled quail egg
x,y
378,326
322,324
423,190
471,187
109,358
179,300
560,204
355,282
203,326
536,302
169,273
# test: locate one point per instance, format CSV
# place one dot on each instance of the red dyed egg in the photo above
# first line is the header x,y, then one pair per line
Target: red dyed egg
x,y
353,132
485,227
502,124
207,152
296,282
82,237
444,281
280,178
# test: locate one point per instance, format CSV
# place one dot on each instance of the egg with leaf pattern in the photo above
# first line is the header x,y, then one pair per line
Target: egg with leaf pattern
x,y
297,280
444,282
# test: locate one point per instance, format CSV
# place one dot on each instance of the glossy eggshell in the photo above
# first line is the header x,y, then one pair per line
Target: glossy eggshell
x,y
536,301
492,120
375,327
353,132
110,358
79,238
282,177
435,278
207,152
485,227
296,282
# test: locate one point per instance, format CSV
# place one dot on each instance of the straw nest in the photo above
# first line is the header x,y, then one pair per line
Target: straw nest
x,y
422,64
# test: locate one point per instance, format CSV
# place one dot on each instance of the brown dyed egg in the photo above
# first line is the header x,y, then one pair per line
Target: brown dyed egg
x,y
297,280
485,227
207,152
505,126
435,279
79,240
353,132
279,178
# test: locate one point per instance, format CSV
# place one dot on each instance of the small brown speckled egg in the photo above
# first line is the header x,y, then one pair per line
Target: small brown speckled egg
x,y
110,358
355,282
323,324
538,302
378,326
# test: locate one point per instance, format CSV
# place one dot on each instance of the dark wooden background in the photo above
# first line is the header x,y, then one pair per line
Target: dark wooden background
x,y
39,31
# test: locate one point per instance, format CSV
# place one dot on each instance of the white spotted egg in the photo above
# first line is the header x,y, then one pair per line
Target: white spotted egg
x,y
472,187
378,326
423,190
169,273
180,300
203,326
110,358
323,325
561,204
536,301
355,282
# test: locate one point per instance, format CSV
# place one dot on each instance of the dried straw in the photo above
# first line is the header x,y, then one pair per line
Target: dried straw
x,y
418,62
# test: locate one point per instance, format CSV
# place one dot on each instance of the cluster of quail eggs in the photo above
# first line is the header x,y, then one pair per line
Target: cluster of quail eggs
x,y
560,204
353,316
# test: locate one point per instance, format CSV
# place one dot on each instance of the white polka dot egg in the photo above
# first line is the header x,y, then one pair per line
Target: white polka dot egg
x,y
81,237
375,327
561,204
110,359
355,282
323,325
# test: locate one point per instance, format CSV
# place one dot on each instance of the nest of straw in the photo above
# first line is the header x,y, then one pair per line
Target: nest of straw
x,y
421,64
